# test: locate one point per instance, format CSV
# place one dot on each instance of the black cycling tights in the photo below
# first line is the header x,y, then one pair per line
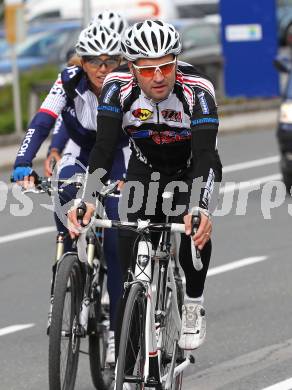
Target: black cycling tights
x,y
195,280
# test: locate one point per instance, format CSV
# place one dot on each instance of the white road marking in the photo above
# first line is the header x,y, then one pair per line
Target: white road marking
x,y
27,233
14,328
235,264
285,385
251,164
231,187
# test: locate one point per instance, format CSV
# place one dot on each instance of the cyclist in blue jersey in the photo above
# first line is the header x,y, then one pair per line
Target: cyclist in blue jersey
x,y
60,136
75,96
169,111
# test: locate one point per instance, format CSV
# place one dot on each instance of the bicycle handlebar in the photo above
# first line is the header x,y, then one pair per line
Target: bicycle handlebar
x,y
155,227
141,225
50,185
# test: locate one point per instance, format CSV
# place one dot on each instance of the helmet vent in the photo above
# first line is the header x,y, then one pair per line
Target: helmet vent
x,y
161,38
154,41
139,44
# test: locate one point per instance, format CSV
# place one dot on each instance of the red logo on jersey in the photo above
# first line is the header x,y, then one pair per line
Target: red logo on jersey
x,y
171,115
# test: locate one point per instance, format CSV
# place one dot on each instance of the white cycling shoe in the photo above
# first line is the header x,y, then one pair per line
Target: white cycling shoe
x,y
110,352
193,326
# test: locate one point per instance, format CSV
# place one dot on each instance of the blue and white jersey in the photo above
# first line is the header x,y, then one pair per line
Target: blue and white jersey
x,y
71,97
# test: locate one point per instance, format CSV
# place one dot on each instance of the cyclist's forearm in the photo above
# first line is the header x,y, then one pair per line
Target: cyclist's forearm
x,y
102,154
207,164
38,131
107,138
60,138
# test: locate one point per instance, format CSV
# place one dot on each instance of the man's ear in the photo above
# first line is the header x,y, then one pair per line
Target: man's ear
x,y
130,65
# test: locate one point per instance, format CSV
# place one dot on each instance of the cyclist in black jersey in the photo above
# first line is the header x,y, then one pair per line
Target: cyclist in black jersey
x,y
168,110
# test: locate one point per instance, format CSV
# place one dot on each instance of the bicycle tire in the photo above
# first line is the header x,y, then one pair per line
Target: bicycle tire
x,y
132,355
101,373
67,295
169,330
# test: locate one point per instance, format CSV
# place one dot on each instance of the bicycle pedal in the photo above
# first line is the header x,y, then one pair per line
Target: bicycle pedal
x,y
166,358
192,359
80,331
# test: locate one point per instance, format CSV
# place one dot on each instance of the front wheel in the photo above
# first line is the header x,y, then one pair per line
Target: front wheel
x,y
64,341
131,359
98,326
170,332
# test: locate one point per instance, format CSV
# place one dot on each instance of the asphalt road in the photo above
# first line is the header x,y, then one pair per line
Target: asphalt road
x,y
249,311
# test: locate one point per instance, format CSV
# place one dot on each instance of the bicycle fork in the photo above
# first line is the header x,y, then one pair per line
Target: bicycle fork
x,y
89,284
59,254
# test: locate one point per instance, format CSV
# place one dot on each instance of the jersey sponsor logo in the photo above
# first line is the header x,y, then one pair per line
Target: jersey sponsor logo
x,y
142,113
203,103
171,115
162,137
25,142
72,71
109,108
204,120
169,137
57,90
70,110
208,188
110,93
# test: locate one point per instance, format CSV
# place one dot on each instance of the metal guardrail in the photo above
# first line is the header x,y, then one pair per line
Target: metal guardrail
x,y
213,67
230,107
37,89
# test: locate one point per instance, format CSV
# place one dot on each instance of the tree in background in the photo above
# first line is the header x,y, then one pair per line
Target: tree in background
x,y
1,10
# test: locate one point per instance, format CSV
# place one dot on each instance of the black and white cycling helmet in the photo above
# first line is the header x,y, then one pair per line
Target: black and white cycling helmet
x,y
96,40
150,39
112,20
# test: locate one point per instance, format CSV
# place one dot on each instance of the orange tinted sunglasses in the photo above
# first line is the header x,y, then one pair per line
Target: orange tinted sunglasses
x,y
150,70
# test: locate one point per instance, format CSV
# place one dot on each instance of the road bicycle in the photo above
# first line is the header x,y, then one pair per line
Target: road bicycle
x,y
149,355
78,308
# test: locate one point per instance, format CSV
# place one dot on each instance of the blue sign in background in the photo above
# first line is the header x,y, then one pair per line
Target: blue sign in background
x,y
248,64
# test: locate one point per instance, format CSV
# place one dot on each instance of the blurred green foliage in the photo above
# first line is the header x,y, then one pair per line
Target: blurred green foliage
x,y
46,74
1,10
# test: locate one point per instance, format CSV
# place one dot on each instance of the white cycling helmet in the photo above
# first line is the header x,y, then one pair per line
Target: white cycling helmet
x,y
112,20
150,39
96,40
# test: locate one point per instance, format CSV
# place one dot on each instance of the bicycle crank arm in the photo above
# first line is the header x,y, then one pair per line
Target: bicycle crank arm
x,y
178,369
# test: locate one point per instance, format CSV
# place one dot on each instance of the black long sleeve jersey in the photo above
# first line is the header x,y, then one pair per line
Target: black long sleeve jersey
x,y
169,135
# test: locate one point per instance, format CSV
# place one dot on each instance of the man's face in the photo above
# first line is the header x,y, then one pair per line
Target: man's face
x,y
97,68
155,82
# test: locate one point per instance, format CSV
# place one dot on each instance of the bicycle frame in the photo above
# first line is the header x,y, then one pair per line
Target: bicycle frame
x,y
155,289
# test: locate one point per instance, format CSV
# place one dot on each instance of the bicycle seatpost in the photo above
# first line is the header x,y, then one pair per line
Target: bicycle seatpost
x,y
196,253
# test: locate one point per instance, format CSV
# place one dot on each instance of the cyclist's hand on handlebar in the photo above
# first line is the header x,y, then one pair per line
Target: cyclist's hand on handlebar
x,y
121,184
24,176
204,231
51,161
74,224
